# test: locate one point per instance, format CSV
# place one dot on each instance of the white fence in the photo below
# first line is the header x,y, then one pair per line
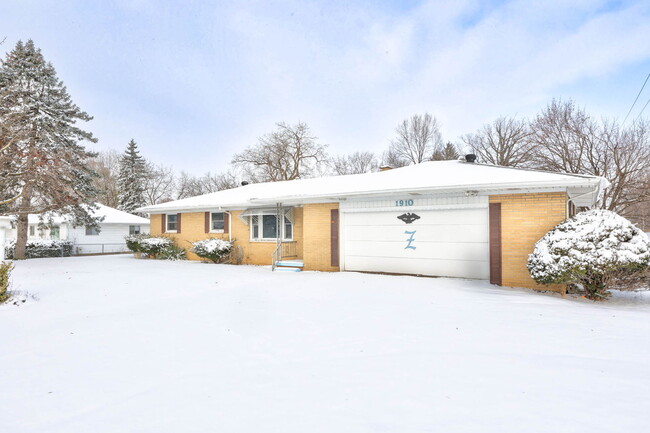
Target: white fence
x,y
99,248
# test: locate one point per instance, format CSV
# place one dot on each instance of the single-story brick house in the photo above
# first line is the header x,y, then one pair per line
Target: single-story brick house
x,y
442,218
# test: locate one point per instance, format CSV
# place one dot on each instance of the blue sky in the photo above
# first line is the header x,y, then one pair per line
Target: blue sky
x,y
195,81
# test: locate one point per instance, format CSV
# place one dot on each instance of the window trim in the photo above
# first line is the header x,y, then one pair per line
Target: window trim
x,y
261,229
175,215
223,216
134,232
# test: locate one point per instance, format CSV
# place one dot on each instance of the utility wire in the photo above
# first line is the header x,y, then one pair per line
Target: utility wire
x,y
646,104
636,99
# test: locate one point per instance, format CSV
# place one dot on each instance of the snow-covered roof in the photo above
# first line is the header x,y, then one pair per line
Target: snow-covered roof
x,y
427,177
111,216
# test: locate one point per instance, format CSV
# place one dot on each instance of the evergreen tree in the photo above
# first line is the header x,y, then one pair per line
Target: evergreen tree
x,y
44,166
131,181
447,153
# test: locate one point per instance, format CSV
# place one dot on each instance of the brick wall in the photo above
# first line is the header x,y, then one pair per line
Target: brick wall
x,y
317,236
525,218
254,253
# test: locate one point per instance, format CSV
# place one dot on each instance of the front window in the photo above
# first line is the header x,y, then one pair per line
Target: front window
x,y
265,227
32,230
92,231
172,222
216,221
134,230
55,232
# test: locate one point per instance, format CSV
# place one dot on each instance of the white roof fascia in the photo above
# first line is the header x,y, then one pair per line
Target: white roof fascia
x,y
504,188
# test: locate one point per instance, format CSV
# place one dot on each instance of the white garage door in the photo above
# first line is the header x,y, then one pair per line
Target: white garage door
x,y
445,242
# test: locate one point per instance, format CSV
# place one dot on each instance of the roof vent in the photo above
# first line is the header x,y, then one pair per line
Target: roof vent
x,y
470,157
244,183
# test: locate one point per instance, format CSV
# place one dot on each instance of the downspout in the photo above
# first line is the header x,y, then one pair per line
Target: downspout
x,y
229,225
570,199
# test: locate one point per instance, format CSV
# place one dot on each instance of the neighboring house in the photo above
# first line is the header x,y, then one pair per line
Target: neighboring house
x,y
444,218
87,240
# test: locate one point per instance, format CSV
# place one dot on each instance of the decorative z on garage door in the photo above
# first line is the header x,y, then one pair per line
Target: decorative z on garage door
x,y
410,240
408,218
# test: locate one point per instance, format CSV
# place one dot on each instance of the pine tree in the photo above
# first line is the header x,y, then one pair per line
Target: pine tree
x,y
131,181
45,163
447,153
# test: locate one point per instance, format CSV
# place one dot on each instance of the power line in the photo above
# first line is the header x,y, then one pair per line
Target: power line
x,y
646,104
636,99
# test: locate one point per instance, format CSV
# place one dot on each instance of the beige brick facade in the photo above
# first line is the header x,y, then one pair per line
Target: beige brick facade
x,y
317,237
254,252
525,218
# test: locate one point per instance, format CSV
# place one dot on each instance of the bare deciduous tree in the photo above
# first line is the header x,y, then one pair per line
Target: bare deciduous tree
x,y
417,138
354,163
506,141
159,184
190,186
570,141
289,152
107,166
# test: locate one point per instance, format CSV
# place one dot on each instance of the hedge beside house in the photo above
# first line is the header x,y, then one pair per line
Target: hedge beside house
x,y
41,248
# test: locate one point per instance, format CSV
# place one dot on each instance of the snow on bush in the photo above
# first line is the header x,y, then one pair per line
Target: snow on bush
x,y
133,241
154,245
212,249
594,249
41,248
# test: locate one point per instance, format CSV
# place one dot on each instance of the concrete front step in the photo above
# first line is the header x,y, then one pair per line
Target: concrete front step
x,y
284,269
291,263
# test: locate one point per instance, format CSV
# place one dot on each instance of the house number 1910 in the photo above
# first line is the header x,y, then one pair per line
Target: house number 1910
x,y
403,203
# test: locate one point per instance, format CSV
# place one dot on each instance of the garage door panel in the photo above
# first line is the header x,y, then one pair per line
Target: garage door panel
x,y
437,233
436,217
448,242
423,250
441,268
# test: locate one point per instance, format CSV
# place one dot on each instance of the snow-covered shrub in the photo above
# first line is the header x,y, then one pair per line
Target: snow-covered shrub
x,y
212,249
172,252
41,248
133,241
5,272
154,245
594,249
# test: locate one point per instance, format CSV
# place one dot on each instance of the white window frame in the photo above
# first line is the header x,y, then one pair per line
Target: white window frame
x,y
57,230
32,230
260,225
133,232
175,215
223,214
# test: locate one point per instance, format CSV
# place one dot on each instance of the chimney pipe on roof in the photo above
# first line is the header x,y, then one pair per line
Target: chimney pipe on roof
x,y
470,157
244,183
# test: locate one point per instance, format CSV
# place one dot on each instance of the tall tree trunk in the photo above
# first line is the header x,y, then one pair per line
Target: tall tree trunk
x,y
22,225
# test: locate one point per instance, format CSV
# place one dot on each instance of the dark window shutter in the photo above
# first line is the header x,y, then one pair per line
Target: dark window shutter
x,y
178,223
207,222
226,222
163,219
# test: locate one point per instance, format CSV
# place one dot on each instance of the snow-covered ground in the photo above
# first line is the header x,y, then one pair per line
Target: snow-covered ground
x,y
115,344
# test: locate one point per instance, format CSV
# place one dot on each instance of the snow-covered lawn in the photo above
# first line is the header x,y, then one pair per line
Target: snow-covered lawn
x,y
115,344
